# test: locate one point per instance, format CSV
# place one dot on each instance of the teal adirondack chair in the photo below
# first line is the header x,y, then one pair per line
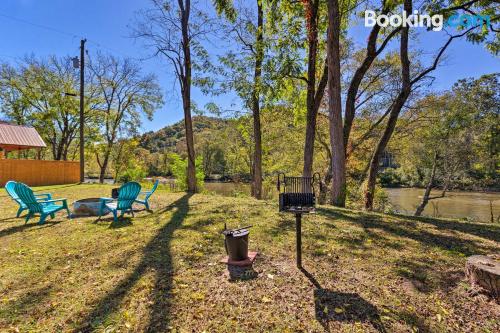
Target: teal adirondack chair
x,y
127,194
9,188
147,195
44,208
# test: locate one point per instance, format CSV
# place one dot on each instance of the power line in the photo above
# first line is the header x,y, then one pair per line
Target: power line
x,y
70,34
41,26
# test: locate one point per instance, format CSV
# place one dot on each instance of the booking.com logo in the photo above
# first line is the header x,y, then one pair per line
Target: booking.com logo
x,y
436,22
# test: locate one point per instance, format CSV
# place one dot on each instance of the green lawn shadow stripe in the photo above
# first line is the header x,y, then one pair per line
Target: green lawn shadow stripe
x,y
156,257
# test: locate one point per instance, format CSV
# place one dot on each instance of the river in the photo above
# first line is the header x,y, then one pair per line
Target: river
x,y
457,204
471,205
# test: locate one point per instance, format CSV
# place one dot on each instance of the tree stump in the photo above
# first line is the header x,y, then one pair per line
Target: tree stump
x,y
484,272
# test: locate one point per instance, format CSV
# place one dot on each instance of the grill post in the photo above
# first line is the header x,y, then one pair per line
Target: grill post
x,y
298,230
297,195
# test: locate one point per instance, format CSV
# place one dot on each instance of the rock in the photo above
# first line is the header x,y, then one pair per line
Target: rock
x,y
484,272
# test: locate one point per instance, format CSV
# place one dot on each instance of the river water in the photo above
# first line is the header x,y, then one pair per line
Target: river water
x,y
470,205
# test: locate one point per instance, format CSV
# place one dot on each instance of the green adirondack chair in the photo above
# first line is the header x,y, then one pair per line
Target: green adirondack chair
x,y
147,195
44,208
9,188
127,194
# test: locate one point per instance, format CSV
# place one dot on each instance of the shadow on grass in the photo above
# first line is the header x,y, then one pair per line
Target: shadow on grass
x,y
10,219
27,303
27,226
483,230
157,258
121,222
408,229
424,274
424,277
333,306
285,224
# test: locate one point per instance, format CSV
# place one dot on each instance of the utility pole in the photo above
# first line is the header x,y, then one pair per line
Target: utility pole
x,y
82,120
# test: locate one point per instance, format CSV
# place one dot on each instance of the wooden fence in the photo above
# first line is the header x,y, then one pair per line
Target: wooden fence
x,y
39,172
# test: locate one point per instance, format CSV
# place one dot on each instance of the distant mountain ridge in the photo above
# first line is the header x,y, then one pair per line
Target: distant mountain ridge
x,y
167,138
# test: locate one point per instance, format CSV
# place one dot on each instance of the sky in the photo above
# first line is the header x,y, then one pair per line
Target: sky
x,y
106,25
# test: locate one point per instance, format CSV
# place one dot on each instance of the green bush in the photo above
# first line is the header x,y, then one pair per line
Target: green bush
x,y
179,170
355,197
390,178
136,173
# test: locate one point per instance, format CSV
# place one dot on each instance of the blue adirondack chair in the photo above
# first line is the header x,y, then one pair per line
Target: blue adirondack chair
x,y
9,188
127,194
147,195
44,208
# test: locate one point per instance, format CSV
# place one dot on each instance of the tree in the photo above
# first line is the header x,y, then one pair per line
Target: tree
x,y
444,148
173,29
246,28
372,52
34,93
298,38
335,104
481,97
315,91
395,108
409,81
122,157
453,131
125,95
338,15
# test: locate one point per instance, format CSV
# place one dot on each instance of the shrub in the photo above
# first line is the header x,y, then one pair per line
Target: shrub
x,y
179,170
390,178
136,173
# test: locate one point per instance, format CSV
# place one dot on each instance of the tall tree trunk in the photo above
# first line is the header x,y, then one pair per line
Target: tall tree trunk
x,y
186,95
257,154
428,188
393,115
371,54
311,13
117,161
104,166
335,105
314,94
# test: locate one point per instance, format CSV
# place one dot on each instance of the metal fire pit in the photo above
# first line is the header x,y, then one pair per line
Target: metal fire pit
x,y
88,207
236,242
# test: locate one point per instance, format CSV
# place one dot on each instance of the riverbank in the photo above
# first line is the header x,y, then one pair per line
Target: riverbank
x,y
473,206
160,271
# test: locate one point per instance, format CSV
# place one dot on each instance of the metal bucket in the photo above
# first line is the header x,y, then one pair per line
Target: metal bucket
x,y
236,242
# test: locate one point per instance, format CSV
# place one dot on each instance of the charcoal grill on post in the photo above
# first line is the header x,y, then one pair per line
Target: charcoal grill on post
x,y
297,195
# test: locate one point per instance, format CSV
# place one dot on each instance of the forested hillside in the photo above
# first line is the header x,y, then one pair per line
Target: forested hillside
x,y
168,138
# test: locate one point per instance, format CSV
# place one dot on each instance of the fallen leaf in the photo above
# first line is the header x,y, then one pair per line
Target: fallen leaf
x,y
197,296
266,299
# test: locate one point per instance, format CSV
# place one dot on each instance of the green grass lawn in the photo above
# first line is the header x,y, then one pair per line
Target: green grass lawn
x,y
160,271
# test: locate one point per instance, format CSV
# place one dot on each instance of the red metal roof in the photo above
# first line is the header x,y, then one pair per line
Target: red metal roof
x,y
19,137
